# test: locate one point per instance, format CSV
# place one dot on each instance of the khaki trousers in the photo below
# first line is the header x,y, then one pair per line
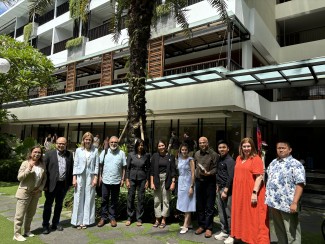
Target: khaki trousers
x,y
287,227
161,198
25,211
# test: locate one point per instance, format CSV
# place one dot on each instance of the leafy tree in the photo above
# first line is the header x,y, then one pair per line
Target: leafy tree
x,y
29,69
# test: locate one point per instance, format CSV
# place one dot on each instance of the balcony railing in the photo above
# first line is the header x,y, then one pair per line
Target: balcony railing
x,y
45,18
56,92
85,87
60,46
200,66
63,8
46,50
310,35
98,31
119,81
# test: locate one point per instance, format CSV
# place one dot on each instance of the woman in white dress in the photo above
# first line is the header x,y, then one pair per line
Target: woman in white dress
x,y
85,175
186,201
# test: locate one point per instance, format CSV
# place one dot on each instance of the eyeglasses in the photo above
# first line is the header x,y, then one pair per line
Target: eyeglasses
x,y
113,142
60,144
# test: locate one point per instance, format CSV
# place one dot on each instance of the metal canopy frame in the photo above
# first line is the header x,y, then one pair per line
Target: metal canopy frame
x,y
293,74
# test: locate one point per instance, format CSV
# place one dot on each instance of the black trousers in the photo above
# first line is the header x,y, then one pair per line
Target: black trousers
x,y
136,185
205,199
109,192
58,195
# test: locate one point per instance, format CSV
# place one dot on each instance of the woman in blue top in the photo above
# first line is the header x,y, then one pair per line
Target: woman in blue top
x,y
137,176
85,174
186,193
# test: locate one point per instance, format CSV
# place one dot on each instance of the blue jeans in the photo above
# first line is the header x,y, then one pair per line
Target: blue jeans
x,y
110,192
205,199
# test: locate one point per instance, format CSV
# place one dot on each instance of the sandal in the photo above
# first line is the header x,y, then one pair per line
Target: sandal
x,y
162,225
128,223
139,223
156,224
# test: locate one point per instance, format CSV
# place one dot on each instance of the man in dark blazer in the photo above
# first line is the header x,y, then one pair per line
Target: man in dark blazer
x,y
59,167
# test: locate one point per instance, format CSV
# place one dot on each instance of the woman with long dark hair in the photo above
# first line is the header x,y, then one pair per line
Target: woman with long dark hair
x,y
137,179
32,177
163,180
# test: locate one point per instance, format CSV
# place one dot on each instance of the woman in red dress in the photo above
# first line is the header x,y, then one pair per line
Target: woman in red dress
x,y
249,219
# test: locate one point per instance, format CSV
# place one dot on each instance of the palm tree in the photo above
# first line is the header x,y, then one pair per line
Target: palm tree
x,y
141,16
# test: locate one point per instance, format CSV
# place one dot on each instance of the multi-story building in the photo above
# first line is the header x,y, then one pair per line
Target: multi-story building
x,y
266,70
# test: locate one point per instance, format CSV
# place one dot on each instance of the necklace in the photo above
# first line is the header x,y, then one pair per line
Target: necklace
x,y
139,156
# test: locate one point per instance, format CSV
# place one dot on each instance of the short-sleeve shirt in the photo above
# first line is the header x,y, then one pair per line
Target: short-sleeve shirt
x,y
283,176
113,164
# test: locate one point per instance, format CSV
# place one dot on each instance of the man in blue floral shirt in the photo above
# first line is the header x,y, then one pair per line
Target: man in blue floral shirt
x,y
286,180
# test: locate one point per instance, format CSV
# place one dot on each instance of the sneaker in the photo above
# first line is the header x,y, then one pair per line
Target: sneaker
x,y
18,237
183,230
29,234
221,236
229,240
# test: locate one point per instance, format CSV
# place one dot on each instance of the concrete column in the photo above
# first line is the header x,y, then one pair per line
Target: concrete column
x,y
249,125
247,54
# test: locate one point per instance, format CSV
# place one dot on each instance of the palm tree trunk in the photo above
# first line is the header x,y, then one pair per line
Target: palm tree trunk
x,y
139,28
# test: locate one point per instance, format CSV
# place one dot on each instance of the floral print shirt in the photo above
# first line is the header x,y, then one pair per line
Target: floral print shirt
x,y
283,176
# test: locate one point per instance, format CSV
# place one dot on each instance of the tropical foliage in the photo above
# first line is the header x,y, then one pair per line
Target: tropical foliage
x,y
29,69
76,42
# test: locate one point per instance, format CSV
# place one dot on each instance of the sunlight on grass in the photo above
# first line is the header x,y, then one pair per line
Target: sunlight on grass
x,y
10,188
6,232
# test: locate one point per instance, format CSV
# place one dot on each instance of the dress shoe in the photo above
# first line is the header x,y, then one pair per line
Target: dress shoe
x,y
101,223
199,231
113,223
208,233
57,227
18,237
46,230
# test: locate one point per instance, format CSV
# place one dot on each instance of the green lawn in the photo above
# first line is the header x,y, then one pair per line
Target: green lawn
x,y
10,188
6,232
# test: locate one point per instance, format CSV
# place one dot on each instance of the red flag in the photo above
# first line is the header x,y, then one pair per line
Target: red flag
x,y
259,140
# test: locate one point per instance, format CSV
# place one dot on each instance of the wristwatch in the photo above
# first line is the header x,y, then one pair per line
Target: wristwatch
x,y
254,192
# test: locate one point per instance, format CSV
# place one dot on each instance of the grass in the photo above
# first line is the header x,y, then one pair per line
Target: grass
x,y
10,188
6,232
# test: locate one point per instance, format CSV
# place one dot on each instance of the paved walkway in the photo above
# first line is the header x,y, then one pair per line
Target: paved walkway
x,y
311,221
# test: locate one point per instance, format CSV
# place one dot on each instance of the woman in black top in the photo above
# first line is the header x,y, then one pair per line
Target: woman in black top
x,y
162,176
137,176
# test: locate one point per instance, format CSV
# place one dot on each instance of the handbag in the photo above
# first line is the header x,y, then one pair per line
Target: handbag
x,y
100,173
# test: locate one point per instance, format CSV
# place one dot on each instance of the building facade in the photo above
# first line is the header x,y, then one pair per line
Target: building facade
x,y
265,70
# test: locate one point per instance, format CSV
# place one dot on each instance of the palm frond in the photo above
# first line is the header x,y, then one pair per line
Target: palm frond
x,y
221,7
39,6
120,7
180,14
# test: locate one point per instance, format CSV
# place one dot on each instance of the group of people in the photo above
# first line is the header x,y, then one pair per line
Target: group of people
x,y
207,176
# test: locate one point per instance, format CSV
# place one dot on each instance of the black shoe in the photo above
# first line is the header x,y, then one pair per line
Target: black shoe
x,y
57,227
46,230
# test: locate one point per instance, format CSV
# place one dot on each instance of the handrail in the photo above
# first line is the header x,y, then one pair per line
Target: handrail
x,y
88,86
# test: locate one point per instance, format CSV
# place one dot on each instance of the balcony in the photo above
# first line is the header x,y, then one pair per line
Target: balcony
x,y
63,8
46,50
45,18
60,46
202,66
56,92
86,87
98,31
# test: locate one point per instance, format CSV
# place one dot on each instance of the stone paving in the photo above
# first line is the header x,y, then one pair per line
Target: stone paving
x,y
311,221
